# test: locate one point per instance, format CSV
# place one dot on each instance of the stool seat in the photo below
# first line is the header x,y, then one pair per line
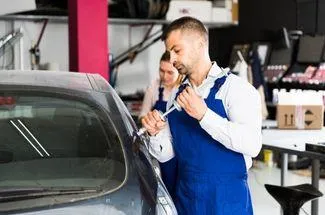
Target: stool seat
x,y
291,198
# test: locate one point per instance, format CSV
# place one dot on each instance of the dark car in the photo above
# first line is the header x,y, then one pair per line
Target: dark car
x,y
67,146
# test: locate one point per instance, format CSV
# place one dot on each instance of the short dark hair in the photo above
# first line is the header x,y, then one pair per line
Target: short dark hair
x,y
186,23
165,56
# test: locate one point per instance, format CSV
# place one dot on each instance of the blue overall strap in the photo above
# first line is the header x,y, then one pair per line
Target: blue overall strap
x,y
160,103
217,85
161,94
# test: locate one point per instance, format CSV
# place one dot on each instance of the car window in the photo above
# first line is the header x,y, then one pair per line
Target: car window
x,y
126,117
57,142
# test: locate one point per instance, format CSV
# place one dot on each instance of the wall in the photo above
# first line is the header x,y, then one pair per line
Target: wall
x,y
53,46
54,49
137,75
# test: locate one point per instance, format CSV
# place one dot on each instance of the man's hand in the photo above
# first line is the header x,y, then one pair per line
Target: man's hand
x,y
192,103
153,122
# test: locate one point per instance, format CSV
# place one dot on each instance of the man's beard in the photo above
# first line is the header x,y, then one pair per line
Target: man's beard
x,y
182,70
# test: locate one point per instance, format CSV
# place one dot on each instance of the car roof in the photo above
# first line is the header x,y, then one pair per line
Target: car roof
x,y
57,79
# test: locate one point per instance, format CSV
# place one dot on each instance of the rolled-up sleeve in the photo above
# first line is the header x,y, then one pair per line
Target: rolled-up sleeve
x,y
161,147
242,132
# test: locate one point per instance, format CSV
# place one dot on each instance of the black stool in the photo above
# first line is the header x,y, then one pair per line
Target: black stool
x,y
291,198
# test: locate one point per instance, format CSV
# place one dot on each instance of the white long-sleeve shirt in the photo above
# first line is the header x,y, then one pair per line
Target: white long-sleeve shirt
x,y
242,133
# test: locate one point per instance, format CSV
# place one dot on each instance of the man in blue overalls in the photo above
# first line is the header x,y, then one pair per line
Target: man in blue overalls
x,y
215,135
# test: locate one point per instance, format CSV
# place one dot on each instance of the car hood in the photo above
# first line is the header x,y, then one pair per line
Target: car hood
x,y
127,200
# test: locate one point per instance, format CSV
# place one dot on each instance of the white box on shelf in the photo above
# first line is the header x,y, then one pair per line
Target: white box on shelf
x,y
197,9
14,6
221,15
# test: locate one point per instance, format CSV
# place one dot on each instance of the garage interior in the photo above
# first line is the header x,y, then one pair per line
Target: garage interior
x,y
121,41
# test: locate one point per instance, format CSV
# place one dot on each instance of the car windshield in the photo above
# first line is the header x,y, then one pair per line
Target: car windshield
x,y
50,142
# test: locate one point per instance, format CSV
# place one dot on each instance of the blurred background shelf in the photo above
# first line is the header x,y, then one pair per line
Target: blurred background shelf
x,y
117,21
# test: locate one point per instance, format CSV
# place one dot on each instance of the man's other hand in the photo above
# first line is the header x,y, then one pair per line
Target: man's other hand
x,y
192,103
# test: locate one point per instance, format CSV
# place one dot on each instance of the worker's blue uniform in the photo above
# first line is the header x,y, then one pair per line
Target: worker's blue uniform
x,y
168,169
211,178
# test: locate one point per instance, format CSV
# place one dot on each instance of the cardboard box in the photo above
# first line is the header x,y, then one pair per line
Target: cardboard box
x,y
235,11
300,116
197,9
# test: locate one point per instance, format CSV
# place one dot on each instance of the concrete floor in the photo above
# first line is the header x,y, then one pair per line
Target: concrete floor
x,y
263,202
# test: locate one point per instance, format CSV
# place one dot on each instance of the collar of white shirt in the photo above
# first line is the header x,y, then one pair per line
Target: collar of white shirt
x,y
214,73
202,90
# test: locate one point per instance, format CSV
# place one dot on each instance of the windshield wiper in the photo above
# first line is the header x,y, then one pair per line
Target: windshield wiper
x,y
21,193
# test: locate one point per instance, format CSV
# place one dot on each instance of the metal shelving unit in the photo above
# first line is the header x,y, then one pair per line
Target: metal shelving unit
x,y
120,21
113,21
34,18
